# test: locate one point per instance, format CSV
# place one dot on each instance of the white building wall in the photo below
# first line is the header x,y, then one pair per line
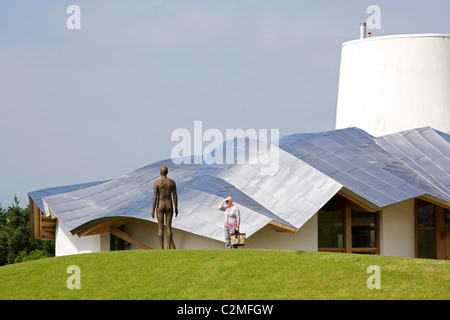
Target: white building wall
x,y
147,233
105,241
266,238
306,238
67,244
395,83
397,230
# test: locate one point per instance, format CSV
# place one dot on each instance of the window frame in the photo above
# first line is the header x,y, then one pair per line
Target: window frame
x,y
348,206
441,234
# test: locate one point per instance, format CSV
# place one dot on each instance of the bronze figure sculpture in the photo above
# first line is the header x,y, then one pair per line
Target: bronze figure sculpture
x,y
163,191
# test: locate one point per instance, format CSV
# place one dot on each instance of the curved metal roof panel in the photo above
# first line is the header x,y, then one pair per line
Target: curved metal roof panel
x,y
375,168
423,150
290,193
287,183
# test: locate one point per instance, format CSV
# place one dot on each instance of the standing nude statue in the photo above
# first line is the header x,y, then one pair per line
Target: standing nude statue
x,y
163,190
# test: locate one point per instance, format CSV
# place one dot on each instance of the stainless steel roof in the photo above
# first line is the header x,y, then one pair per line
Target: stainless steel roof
x,y
290,195
425,151
310,169
375,168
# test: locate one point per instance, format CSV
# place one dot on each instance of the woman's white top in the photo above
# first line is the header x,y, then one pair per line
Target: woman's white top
x,y
232,215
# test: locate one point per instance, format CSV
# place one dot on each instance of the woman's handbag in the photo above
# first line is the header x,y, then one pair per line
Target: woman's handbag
x,y
238,239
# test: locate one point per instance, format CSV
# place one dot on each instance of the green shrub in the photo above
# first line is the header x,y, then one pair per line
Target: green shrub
x,y
33,255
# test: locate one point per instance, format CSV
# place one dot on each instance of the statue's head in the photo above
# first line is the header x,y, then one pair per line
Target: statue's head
x,y
163,171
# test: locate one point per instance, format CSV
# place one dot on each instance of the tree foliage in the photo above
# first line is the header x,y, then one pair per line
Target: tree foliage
x,y
15,237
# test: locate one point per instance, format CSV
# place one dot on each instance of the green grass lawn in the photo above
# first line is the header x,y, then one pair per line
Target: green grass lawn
x,y
225,274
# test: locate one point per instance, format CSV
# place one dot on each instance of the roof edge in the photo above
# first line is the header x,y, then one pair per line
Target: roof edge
x,y
399,36
361,201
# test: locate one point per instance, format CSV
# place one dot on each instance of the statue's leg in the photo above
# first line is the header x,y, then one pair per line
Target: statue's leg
x,y
161,228
169,229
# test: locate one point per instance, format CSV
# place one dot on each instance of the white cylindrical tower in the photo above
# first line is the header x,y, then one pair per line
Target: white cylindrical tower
x,y
395,83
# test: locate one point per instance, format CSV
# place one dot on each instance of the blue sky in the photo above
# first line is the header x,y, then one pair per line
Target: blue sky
x,y
92,104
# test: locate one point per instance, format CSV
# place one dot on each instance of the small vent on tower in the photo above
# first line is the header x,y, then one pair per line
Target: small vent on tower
x,y
362,30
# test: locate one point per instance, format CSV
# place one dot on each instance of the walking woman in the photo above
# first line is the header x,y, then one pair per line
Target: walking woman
x,y
232,220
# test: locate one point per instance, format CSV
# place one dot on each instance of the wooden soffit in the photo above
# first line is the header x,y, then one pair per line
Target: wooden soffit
x,y
100,226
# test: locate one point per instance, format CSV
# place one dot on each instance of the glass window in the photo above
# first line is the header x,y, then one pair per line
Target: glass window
x,y
116,243
425,214
363,229
426,242
426,230
330,225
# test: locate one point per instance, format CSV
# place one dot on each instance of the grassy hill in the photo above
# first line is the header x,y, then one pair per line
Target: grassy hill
x,y
217,274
